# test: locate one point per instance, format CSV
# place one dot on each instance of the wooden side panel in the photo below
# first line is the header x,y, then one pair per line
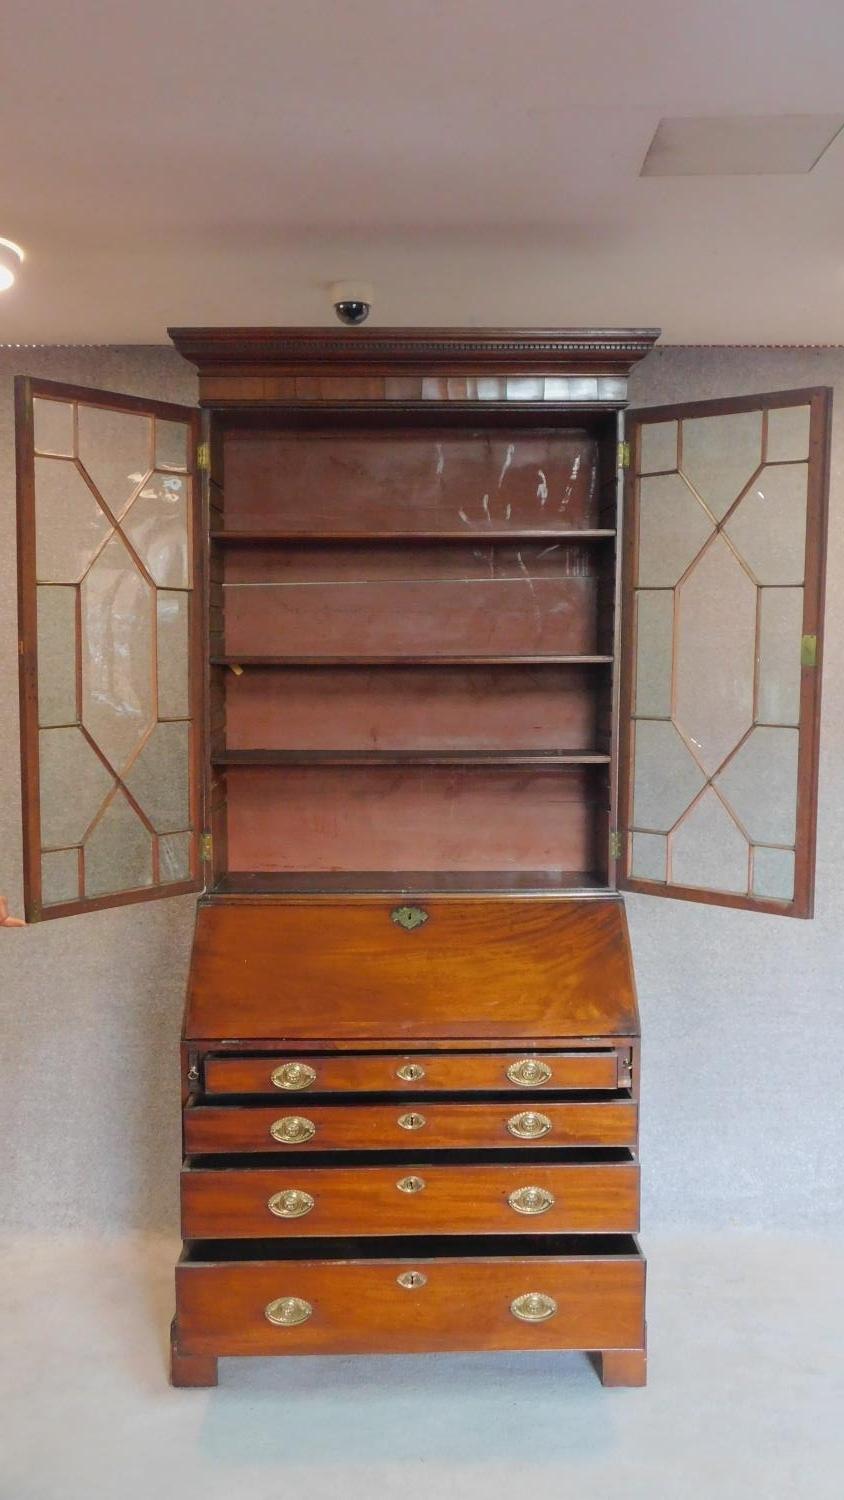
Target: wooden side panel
x,y
490,967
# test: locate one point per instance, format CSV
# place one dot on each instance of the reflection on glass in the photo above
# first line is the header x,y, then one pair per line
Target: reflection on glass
x,y
74,782
53,426
673,527
788,434
118,851
117,654
173,684
760,784
115,448
59,876
69,524
654,646
769,526
657,447
708,850
648,856
159,778
156,525
171,444
56,655
715,651
174,857
720,455
773,873
666,777
780,629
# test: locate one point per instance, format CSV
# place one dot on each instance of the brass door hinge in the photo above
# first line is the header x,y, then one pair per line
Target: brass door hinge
x,y
615,845
624,455
808,651
203,457
206,848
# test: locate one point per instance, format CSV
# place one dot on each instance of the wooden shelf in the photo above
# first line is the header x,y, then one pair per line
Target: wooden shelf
x,y
251,883
394,758
409,661
490,534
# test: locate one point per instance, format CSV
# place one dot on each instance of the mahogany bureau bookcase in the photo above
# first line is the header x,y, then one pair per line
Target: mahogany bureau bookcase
x,y
359,654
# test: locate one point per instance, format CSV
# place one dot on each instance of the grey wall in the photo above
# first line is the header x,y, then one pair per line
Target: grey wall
x,y
742,1013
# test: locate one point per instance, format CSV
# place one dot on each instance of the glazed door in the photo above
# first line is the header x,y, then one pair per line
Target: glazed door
x,y
725,538
110,570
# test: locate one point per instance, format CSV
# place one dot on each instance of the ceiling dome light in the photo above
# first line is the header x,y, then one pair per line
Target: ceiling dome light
x,y
11,256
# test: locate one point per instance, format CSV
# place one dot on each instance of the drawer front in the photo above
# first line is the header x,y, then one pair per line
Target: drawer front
x,y
420,1199
406,1305
222,1128
520,1072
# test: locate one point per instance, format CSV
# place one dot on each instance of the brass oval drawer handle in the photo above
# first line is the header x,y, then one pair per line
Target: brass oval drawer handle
x,y
529,1073
291,1130
531,1200
533,1307
529,1125
293,1075
290,1203
411,1279
286,1312
410,1184
412,1121
410,1072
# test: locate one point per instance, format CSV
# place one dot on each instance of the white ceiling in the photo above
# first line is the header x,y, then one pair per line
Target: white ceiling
x,y
222,161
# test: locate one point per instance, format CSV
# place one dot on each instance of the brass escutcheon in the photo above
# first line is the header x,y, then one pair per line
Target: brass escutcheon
x,y
286,1312
412,1121
291,1130
410,1184
409,917
293,1075
411,1279
529,1125
529,1073
290,1203
533,1307
531,1200
410,1072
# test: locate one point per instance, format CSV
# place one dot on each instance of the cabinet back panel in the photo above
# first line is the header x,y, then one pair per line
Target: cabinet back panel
x,y
456,482
415,708
413,818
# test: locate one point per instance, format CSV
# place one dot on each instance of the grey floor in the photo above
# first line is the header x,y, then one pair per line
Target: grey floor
x,y
746,1394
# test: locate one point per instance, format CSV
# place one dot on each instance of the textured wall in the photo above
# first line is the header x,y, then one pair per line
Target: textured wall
x,y
743,1014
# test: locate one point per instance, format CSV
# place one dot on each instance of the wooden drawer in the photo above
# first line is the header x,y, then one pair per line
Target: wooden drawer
x,y
520,1072
580,1191
411,1296
408,1126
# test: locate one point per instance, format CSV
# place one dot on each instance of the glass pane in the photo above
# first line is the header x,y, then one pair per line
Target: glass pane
x,y
708,850
720,455
117,654
60,876
173,637
118,851
666,777
74,784
657,447
788,434
654,652
760,784
648,856
768,528
780,628
56,655
715,654
171,444
159,779
673,527
773,873
174,857
156,525
115,448
53,424
69,524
